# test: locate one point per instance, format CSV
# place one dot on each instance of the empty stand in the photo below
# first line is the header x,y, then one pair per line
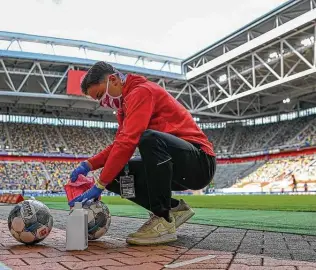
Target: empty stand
x,y
275,174
227,174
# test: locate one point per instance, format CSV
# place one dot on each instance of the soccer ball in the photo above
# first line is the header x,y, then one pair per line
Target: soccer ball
x,y
99,219
30,222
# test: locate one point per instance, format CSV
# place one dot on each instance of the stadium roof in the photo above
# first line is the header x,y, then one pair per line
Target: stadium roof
x,y
53,49
246,74
86,44
248,26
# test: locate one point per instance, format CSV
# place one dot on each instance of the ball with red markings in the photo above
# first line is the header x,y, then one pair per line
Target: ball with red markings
x,y
30,222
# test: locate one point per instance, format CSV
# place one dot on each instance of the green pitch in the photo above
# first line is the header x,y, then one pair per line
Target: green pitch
x,y
284,213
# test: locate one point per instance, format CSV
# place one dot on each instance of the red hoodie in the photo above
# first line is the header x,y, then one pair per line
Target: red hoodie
x,y
146,105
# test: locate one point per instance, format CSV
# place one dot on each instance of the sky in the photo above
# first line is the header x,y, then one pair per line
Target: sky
x,y
177,28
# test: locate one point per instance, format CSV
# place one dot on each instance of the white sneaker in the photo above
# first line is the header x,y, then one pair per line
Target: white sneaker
x,y
155,231
182,213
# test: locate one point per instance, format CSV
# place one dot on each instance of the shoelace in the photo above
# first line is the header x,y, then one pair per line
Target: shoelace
x,y
148,222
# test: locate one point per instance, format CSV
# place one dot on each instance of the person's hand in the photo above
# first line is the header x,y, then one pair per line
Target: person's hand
x,y
92,193
83,169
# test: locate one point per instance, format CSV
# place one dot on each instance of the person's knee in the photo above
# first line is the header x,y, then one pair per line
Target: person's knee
x,y
147,138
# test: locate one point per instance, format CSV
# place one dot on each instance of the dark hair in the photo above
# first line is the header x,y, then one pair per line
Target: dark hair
x,y
96,74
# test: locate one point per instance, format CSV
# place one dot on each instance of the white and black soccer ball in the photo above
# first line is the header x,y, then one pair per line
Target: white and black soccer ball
x,y
30,222
99,219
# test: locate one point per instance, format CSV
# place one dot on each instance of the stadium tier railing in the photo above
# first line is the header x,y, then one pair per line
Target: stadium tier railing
x,y
44,193
268,151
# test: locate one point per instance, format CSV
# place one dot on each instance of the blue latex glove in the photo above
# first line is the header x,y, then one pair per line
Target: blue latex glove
x,y
92,193
83,169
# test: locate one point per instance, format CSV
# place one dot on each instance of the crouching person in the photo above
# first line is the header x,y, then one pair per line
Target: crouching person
x,y
175,155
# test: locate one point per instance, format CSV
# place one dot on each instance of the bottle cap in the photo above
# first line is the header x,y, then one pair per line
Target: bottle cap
x,y
78,205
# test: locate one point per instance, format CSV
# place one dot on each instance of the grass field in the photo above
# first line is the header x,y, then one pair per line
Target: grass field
x,y
284,213
241,202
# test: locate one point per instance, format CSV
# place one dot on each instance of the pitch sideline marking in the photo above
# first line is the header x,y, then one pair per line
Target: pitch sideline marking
x,y
199,259
4,267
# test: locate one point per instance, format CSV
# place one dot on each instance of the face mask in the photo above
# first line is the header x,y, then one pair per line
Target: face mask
x,y
107,100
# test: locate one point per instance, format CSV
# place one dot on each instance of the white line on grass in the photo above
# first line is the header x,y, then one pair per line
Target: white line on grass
x,y
200,259
4,267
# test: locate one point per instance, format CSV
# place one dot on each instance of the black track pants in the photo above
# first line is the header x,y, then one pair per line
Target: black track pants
x,y
167,163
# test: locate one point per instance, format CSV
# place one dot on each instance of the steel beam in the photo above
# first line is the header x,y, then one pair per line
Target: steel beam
x,y
267,66
46,87
4,92
12,87
259,89
61,79
191,98
298,54
14,71
241,76
26,77
293,68
185,104
203,98
219,115
218,85
182,90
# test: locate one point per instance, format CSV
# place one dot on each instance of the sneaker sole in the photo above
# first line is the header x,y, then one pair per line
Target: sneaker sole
x,y
184,218
167,238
